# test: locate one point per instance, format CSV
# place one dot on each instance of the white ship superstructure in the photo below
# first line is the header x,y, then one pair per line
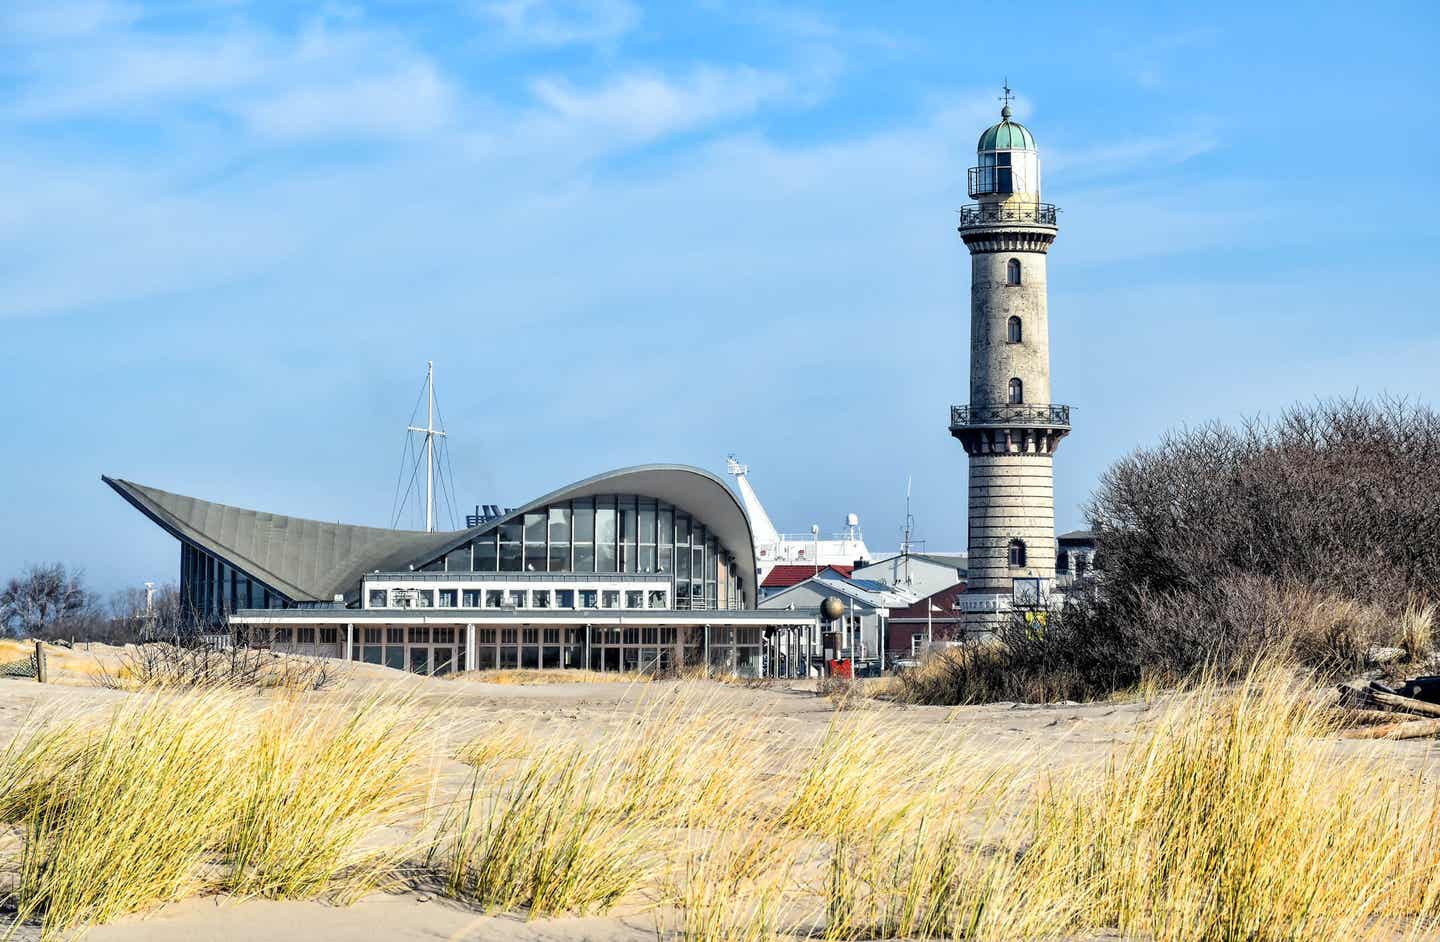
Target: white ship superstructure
x,y
773,548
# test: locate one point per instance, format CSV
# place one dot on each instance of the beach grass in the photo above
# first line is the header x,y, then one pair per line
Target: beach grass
x,y
1233,813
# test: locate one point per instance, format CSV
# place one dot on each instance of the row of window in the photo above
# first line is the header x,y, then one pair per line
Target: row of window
x,y
304,635
517,598
449,635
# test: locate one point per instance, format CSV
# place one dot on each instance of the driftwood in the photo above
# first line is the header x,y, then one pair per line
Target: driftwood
x,y
1372,695
1410,729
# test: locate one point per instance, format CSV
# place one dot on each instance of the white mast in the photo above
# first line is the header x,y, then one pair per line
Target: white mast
x,y
430,433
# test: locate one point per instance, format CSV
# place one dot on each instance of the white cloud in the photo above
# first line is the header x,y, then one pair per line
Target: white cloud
x,y
54,19
564,22
138,71
411,100
332,76
648,105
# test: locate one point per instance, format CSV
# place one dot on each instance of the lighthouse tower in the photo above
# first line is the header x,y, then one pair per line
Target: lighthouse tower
x,y
1011,426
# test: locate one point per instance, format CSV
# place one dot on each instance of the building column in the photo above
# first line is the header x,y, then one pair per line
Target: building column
x,y
349,641
587,649
706,629
470,647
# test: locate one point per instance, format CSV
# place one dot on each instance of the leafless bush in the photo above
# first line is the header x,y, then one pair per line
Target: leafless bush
x,y
164,665
1339,495
1312,533
1315,536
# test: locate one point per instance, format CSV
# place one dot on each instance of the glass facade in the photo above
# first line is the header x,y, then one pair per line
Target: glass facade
x,y
622,533
210,588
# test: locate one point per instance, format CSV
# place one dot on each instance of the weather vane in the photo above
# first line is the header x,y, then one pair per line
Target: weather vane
x,y
1007,97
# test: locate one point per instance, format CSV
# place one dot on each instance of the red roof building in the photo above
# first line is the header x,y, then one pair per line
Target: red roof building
x,y
784,576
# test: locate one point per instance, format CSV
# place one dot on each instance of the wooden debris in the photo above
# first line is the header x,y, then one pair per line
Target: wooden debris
x,y
1365,700
1410,729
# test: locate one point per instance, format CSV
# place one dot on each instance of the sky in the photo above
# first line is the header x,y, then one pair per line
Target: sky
x,y
233,232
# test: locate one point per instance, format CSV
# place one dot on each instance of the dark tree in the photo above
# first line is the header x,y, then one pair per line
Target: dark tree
x,y
43,598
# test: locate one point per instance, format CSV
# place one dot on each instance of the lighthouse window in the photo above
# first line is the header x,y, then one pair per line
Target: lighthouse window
x,y
1017,553
1012,272
1017,392
1012,331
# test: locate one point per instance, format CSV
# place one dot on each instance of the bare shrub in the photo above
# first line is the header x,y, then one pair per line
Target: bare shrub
x,y
164,665
1315,535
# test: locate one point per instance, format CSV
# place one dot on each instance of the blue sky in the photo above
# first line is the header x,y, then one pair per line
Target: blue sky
x,y
232,232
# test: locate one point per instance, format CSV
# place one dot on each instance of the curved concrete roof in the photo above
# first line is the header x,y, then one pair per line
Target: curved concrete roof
x,y
312,560
694,490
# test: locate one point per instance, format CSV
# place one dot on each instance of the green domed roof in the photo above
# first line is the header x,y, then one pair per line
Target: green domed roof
x,y
1007,135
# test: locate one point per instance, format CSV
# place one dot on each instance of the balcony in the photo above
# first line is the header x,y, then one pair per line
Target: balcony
x,y
989,181
1000,214
1025,415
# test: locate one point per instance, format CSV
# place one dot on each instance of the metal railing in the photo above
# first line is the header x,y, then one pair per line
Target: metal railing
x,y
1043,415
992,214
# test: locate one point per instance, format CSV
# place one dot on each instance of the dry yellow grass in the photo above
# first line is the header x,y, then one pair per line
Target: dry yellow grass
x,y
317,782
1237,819
1235,816
170,795
64,665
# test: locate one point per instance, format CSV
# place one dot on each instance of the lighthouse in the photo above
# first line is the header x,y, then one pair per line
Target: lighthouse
x,y
1011,425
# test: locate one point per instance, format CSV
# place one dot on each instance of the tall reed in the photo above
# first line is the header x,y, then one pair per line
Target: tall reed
x,y
541,838
1234,820
175,794
121,817
317,783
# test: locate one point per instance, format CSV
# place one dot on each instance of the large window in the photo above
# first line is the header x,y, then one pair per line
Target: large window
x,y
605,534
511,557
559,539
535,556
486,555
619,533
585,535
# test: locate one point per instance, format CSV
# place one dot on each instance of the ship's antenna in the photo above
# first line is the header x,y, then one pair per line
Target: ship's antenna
x,y
909,528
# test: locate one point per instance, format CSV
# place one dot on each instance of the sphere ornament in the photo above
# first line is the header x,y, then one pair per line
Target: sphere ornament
x,y
831,608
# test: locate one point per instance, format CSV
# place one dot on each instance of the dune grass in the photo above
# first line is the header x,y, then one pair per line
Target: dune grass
x,y
1234,814
316,783
1236,819
540,838
119,817
169,796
